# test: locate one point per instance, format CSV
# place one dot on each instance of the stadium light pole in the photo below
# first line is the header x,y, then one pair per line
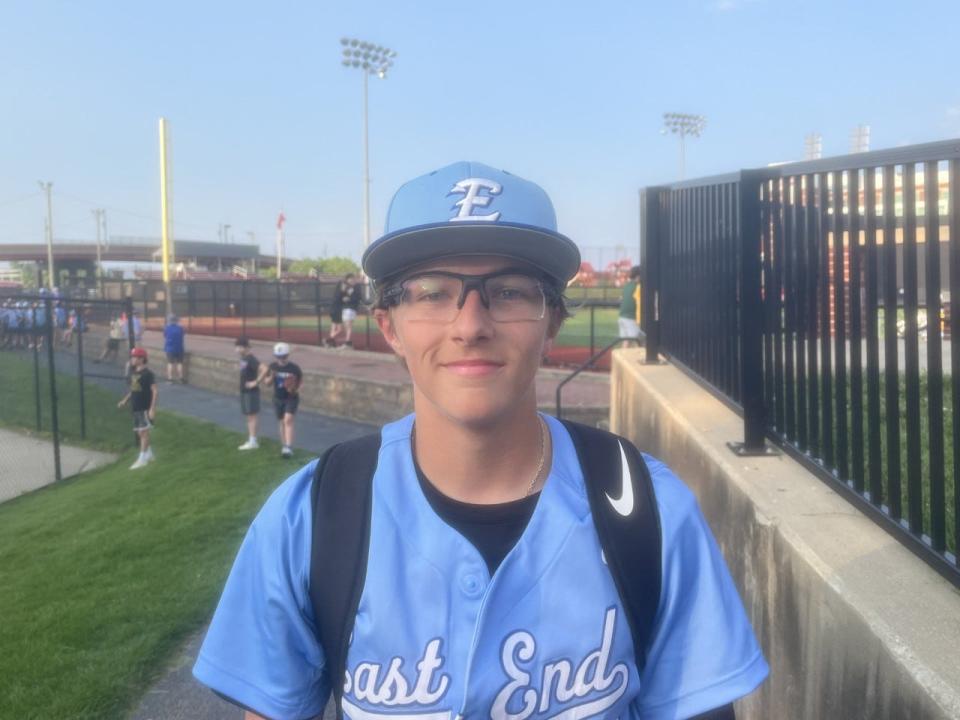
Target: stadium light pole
x,y
683,124
370,59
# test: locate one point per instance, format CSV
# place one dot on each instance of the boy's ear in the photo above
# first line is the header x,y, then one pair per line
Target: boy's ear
x,y
385,323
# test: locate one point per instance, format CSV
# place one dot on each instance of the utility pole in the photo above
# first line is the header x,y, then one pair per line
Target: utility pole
x,y
46,187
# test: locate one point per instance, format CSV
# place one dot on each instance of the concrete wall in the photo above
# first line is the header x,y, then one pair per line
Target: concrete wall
x,y
362,400
853,624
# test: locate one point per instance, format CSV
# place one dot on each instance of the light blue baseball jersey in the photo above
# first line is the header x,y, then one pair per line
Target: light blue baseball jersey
x,y
437,638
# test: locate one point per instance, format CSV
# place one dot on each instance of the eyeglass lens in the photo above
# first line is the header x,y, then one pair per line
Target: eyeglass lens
x,y
439,297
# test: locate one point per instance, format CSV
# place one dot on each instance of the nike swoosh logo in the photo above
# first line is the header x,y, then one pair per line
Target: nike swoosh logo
x,y
624,504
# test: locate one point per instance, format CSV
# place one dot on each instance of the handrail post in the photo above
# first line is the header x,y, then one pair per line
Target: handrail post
x,y
751,316
651,241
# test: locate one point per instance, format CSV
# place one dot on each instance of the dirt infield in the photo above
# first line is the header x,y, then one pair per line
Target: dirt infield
x,y
365,336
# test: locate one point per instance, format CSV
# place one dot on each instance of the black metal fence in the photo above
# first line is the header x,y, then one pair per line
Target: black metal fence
x,y
47,365
820,300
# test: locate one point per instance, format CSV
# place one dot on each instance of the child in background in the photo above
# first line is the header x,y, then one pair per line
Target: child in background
x,y
143,395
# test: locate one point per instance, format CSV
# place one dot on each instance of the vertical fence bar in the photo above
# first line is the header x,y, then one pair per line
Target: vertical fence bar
x,y
811,241
651,242
52,370
243,308
32,339
83,409
788,285
912,349
839,330
935,469
953,207
213,305
856,330
725,264
891,350
592,314
316,310
826,364
751,313
279,310
191,307
801,307
776,304
874,457
766,275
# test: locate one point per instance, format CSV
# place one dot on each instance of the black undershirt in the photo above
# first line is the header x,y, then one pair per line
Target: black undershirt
x,y
492,529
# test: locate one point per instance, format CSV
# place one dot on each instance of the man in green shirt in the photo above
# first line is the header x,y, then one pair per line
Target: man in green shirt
x,y
629,319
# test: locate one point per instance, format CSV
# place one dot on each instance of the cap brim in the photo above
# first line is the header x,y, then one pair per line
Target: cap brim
x,y
555,254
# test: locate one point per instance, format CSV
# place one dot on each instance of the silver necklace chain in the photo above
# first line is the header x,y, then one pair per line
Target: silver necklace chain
x,y
543,453
543,457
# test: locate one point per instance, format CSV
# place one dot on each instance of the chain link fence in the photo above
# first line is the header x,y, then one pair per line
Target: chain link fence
x,y
62,372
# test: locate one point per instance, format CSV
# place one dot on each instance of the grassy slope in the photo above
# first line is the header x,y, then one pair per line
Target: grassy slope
x,y
104,576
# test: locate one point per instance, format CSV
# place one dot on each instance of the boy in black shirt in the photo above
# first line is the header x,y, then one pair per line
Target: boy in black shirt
x,y
249,391
143,393
286,377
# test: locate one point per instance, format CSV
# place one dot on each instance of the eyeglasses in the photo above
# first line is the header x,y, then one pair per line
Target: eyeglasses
x,y
438,296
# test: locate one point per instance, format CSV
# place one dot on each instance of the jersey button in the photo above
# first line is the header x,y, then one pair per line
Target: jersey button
x,y
471,584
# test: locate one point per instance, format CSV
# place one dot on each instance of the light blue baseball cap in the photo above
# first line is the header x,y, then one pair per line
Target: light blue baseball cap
x,y
468,208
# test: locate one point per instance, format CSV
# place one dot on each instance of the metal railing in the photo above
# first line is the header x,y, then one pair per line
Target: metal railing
x,y
797,293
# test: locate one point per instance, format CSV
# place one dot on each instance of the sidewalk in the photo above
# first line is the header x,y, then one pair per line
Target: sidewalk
x,y
177,696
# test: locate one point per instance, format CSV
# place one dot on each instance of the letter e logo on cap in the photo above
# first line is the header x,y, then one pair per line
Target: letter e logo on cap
x,y
472,198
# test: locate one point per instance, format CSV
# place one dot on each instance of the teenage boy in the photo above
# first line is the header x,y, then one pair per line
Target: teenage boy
x,y
249,391
143,396
286,377
173,347
482,587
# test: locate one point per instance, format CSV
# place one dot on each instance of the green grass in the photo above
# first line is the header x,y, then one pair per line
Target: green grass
x,y
108,428
105,575
575,331
924,431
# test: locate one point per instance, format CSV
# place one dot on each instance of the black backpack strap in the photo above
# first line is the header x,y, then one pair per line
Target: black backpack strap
x,y
627,522
341,499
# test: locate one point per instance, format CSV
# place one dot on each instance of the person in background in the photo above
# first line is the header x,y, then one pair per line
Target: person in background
x,y
249,391
351,303
286,377
343,310
629,320
173,347
112,345
143,395
60,318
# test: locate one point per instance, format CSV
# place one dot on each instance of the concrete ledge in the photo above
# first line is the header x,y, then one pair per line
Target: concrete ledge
x,y
852,623
359,399
371,387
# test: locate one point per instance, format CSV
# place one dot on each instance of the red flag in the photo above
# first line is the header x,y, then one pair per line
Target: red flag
x,y
281,220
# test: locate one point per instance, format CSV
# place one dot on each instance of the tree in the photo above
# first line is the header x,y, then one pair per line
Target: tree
x,y
336,265
28,273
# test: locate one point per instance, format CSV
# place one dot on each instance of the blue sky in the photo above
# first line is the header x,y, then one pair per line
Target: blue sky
x,y
570,95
